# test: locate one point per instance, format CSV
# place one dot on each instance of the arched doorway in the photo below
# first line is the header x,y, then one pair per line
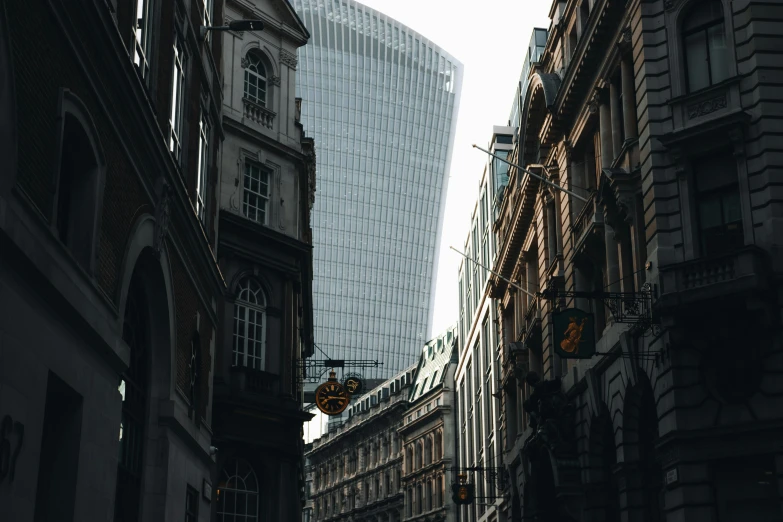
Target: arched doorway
x,y
134,388
608,464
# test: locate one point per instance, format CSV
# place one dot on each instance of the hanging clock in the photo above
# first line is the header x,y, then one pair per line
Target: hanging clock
x,y
331,397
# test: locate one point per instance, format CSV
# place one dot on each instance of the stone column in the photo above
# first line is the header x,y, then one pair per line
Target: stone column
x,y
551,225
579,185
629,98
617,129
605,122
532,281
612,258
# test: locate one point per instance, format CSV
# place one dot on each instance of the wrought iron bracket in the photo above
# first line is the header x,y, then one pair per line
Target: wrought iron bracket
x,y
633,308
497,477
312,370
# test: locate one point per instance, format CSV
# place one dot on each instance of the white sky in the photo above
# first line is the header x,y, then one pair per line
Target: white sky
x,y
490,38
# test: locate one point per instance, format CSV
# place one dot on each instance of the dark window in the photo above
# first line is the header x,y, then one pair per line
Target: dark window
x,y
704,41
572,41
718,205
584,13
191,505
238,493
503,138
255,79
133,388
59,458
76,191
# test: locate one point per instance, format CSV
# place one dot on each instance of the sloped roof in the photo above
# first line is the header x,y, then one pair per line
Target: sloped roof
x,y
433,361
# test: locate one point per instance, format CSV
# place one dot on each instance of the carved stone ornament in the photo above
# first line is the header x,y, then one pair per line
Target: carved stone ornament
x,y
626,36
705,107
669,4
243,63
288,59
162,212
275,80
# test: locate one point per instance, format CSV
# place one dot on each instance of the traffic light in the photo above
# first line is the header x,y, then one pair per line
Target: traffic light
x,y
462,493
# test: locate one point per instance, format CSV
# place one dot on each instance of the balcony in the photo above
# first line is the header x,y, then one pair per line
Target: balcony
x,y
736,274
589,220
253,381
258,114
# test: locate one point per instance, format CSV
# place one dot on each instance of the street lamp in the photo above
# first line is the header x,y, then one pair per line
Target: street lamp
x,y
234,25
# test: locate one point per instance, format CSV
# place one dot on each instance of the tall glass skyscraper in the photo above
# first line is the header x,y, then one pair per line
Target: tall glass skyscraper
x,y
381,102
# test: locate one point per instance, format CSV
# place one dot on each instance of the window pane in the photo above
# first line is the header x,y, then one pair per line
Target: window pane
x,y
710,212
696,58
731,208
719,53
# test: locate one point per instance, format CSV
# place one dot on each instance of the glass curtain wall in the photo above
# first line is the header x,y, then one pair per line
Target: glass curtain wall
x,y
380,101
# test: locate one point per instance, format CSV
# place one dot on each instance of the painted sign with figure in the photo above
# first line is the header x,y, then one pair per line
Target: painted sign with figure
x,y
574,334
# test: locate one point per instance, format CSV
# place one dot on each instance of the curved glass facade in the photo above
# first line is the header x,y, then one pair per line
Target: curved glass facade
x,y
381,102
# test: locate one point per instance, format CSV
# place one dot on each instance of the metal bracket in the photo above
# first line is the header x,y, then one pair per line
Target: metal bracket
x,y
496,476
633,308
313,370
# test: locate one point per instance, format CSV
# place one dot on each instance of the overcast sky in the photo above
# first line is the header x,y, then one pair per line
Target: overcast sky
x,y
490,38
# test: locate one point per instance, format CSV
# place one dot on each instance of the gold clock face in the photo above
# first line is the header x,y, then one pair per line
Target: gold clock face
x,y
331,398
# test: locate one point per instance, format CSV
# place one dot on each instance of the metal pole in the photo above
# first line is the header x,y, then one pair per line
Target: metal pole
x,y
493,272
577,196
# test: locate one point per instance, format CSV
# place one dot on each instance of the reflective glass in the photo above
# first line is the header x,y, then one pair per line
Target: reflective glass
x,y
380,110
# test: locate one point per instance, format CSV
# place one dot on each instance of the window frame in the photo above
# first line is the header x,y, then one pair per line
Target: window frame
x,y
698,194
261,311
191,494
692,10
177,101
202,172
263,169
221,515
142,40
255,58
88,215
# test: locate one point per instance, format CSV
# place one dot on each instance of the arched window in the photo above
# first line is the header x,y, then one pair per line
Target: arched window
x,y
430,503
428,451
134,391
249,325
438,446
237,494
419,450
409,459
255,79
704,41
80,181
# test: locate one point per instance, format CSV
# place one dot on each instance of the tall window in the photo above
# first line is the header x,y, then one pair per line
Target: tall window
x,y
177,99
249,325
133,389
704,39
191,505
237,494
203,168
256,192
207,19
143,34
718,205
255,79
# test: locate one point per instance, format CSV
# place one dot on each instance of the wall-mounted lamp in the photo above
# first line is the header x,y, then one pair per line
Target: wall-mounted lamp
x,y
234,25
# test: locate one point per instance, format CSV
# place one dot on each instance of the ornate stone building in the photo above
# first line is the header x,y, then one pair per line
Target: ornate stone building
x,y
267,188
110,126
428,434
661,114
355,470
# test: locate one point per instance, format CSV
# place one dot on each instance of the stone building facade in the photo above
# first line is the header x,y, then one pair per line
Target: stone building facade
x,y
109,290
267,187
355,470
428,434
661,114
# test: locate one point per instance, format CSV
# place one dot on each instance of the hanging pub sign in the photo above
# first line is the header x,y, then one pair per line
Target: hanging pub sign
x,y
462,493
574,334
353,383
